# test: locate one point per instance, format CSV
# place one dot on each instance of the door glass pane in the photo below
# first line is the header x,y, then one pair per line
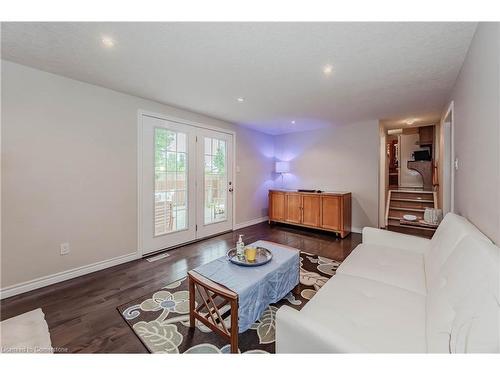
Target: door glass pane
x,y
215,180
170,195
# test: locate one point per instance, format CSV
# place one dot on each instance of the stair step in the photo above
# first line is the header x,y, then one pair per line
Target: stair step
x,y
419,228
412,200
413,191
406,209
398,219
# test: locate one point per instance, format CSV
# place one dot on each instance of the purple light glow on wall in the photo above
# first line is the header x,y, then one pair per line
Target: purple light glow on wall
x,y
266,149
289,181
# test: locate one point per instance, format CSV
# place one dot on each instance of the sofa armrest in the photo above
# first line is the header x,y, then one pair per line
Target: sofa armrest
x,y
383,237
296,333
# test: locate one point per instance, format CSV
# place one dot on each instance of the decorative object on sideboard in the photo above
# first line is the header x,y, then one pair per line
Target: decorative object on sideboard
x,y
282,167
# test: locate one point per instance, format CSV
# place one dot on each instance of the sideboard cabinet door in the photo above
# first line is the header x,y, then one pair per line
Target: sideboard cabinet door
x,y
331,212
276,206
294,208
311,209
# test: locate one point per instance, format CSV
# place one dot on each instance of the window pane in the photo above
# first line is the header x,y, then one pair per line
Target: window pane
x,y
181,183
181,162
171,141
215,180
208,164
160,149
171,181
181,219
181,142
208,146
170,195
171,161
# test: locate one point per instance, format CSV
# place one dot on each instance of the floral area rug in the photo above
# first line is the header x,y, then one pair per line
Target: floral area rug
x,y
161,319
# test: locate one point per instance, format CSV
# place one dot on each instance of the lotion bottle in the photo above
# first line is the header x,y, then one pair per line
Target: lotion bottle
x,y
240,247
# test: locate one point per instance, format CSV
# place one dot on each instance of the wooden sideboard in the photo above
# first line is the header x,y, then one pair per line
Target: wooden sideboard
x,y
326,211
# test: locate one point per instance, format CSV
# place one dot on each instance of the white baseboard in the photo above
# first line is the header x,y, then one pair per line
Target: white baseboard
x,y
250,222
64,275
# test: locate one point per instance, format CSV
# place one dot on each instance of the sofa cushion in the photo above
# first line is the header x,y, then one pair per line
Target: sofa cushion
x,y
377,316
449,233
463,308
393,266
382,237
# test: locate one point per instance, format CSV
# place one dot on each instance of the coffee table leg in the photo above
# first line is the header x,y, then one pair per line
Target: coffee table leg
x,y
234,326
192,304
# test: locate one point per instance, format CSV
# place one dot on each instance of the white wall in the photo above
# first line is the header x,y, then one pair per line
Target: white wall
x,y
69,172
476,97
345,158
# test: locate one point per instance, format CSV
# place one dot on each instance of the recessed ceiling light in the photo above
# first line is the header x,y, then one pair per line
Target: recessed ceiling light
x,y
241,100
107,41
293,121
328,69
410,121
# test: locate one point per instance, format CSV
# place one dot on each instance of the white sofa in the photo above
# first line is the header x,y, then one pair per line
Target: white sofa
x,y
400,293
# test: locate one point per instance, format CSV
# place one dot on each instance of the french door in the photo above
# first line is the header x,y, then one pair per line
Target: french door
x,y
214,182
186,183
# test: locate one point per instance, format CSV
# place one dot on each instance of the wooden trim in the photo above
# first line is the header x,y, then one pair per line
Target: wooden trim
x,y
387,208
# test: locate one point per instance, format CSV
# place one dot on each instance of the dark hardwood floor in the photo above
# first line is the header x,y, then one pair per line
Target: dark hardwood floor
x,y
81,313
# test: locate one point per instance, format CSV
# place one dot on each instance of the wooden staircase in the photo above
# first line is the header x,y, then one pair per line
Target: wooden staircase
x,y
412,202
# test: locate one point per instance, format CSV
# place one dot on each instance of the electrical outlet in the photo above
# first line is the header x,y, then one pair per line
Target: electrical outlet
x,y
65,248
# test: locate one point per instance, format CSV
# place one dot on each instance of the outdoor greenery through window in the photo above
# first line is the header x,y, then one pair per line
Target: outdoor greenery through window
x,y
170,206
215,180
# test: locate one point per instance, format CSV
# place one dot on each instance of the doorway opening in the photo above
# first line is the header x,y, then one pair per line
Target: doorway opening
x,y
408,175
447,167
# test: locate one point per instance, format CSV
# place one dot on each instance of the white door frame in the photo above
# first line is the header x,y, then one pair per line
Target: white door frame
x,y
449,111
166,117
210,229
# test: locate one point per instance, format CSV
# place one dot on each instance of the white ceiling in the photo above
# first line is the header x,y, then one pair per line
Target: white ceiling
x,y
422,120
384,71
